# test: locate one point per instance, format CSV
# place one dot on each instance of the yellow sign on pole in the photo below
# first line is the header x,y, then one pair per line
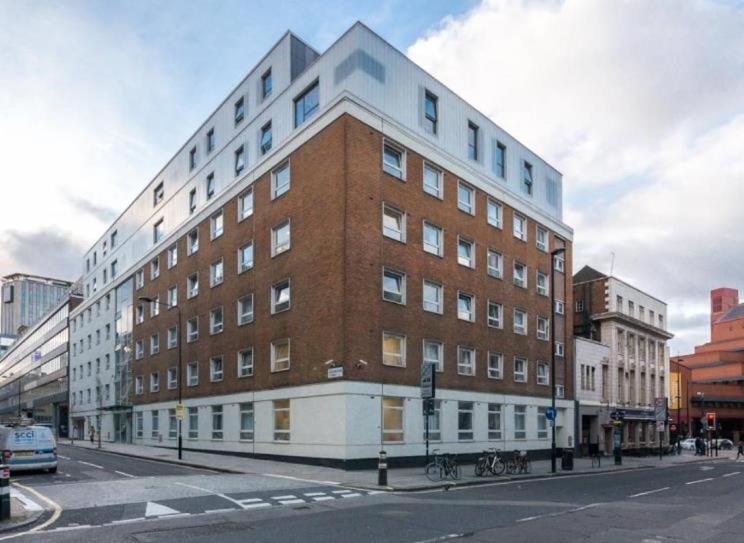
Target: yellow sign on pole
x,y
179,411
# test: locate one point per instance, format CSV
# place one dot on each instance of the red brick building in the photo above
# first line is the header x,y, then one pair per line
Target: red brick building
x,y
711,379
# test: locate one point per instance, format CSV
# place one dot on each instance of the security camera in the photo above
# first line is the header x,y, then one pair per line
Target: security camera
x,y
331,363
361,363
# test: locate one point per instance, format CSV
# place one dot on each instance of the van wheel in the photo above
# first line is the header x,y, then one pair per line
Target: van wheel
x,y
53,470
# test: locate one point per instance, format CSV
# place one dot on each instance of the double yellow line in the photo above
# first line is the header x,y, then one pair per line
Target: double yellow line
x,y
51,520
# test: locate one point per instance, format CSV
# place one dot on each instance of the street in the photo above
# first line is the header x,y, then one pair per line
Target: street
x,y
114,498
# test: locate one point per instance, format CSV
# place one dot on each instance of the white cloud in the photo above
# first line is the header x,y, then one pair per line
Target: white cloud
x,y
641,106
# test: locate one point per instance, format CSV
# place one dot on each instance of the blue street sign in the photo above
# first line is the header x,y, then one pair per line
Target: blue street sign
x,y
550,413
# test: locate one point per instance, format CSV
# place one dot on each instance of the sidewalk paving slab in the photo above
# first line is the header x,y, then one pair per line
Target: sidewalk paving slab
x,y
406,479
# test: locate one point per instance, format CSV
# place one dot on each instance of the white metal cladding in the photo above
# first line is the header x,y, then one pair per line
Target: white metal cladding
x,y
359,65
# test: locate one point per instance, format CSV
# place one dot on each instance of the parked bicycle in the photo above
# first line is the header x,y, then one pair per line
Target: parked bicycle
x,y
443,466
519,463
490,461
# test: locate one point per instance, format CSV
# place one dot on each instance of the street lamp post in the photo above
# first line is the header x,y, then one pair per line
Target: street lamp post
x,y
553,254
180,375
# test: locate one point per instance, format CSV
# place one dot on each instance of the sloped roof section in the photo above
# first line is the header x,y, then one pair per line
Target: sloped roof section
x,y
736,312
587,273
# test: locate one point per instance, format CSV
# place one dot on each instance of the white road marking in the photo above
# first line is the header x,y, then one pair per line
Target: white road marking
x,y
341,491
256,505
251,500
559,513
291,502
732,473
648,492
159,510
441,538
324,498
28,503
63,457
127,520
699,481
124,474
68,528
219,494
706,468
315,493
287,497
91,465
226,510
354,495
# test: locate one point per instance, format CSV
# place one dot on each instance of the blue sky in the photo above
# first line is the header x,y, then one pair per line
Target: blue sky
x,y
640,105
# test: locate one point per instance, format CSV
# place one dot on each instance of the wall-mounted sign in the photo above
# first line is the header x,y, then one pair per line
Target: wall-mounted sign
x,y
335,373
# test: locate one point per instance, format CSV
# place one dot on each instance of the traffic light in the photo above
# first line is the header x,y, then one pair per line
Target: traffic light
x,y
710,418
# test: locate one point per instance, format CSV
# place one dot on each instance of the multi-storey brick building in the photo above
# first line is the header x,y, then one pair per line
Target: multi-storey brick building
x,y
361,221
632,372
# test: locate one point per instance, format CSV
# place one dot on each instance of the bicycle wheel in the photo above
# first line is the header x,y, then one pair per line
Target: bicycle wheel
x,y
480,466
434,471
511,467
454,470
498,467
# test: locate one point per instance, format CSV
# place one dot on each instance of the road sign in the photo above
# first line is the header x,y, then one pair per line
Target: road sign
x,y
659,425
660,409
428,384
179,411
550,413
617,415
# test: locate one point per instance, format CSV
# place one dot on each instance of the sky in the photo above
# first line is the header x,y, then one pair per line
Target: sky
x,y
639,104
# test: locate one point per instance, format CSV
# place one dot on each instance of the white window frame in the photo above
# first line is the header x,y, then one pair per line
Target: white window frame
x,y
438,249
172,378
544,289
240,363
462,368
242,265
439,361
172,256
498,271
560,307
400,356
192,287
192,374
498,220
429,306
216,224
439,192
471,314
560,349
461,240
463,206
495,323
276,189
517,330
279,307
214,278
543,380
392,403
247,317
215,327
280,249
389,168
243,211
216,375
397,214
495,365
392,296
192,241
281,364
154,382
542,245
192,335
519,233
543,328
282,434
521,376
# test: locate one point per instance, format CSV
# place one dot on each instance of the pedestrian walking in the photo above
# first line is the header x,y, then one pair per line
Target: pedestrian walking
x,y
740,449
92,435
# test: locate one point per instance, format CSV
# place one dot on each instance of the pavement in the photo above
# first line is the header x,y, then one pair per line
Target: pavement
x,y
399,479
680,501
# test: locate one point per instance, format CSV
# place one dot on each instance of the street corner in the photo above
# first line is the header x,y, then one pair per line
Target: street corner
x,y
26,512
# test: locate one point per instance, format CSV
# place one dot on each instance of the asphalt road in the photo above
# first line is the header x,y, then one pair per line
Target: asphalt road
x,y
693,502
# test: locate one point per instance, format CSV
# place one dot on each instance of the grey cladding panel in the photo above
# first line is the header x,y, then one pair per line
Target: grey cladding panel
x,y
301,56
359,60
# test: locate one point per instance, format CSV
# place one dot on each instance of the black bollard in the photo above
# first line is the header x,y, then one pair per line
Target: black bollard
x,y
4,492
382,469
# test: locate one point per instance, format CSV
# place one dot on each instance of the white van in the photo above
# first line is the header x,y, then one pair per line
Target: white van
x,y
28,448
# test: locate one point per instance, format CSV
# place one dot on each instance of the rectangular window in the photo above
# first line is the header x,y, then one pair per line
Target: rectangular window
x,y
465,252
392,419
245,204
172,298
245,309
520,227
266,83
393,286
306,104
245,362
172,378
527,177
192,241
393,223
542,283
216,369
239,160
520,422
192,201
393,349
520,322
559,263
465,360
114,238
495,262
246,421
465,306
192,158
281,179
495,365
139,424
542,423
155,307
520,274
520,369
266,138
433,239
542,328
499,160
192,330
495,213
473,151
216,273
280,355
139,352
280,238
216,320
157,232
393,160
192,374
433,297
543,373
113,269
192,285
239,110
282,420
431,112
433,181
560,307
154,382
172,424
494,421
541,239
216,225
138,385
495,315
158,194
155,425
280,296
464,421
154,344
154,268
465,198
210,140
245,257
560,349
172,256
434,354
193,422
210,185
217,422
